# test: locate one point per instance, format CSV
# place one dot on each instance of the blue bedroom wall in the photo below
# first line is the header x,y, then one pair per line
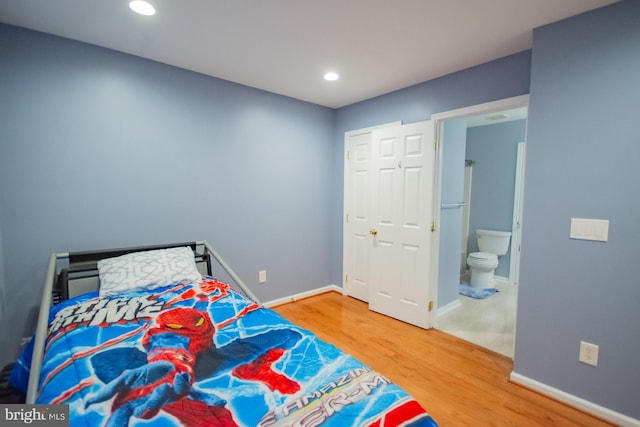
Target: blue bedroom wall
x,y
583,148
2,297
102,149
494,148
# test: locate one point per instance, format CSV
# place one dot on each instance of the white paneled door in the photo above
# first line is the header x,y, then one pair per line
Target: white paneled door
x,y
389,212
357,214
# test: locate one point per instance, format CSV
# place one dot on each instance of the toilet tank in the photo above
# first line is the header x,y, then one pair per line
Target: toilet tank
x,y
493,241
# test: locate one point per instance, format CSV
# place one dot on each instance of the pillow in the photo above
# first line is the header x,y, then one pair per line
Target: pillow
x,y
146,270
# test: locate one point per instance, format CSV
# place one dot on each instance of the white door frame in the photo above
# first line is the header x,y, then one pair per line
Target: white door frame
x,y
439,118
516,232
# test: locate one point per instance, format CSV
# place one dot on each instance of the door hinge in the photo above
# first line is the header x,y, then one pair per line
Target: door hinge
x,y
348,154
347,218
346,278
436,144
433,226
430,305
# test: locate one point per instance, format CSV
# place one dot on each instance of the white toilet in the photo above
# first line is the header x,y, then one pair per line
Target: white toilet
x,y
492,244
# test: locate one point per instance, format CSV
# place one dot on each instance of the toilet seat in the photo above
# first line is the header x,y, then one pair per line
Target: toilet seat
x,y
482,260
483,256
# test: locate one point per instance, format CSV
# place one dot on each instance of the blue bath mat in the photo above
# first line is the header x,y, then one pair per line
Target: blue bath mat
x,y
469,291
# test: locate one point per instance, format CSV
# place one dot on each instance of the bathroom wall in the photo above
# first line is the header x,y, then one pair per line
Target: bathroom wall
x,y
454,137
494,150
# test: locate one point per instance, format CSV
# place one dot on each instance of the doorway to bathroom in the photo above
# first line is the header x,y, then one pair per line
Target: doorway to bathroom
x,y
480,185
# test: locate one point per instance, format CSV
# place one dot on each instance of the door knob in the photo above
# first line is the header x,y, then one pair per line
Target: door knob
x,y
373,231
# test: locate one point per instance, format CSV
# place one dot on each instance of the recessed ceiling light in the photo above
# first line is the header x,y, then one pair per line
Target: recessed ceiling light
x,y
142,7
331,76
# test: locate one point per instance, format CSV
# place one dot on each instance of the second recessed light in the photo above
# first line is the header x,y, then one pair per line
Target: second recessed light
x,y
331,76
142,7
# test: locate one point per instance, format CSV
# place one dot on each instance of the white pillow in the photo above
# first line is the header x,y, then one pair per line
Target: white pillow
x,y
146,270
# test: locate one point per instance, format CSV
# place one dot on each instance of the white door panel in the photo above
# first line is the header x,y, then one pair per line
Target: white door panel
x,y
357,204
401,194
359,279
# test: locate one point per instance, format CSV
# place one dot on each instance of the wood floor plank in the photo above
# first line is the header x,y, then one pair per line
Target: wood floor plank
x,y
459,383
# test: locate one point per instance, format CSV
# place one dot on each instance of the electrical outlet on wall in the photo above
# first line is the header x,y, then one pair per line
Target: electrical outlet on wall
x,y
588,353
262,276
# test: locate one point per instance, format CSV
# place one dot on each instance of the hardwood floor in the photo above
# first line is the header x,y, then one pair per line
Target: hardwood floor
x,y
458,383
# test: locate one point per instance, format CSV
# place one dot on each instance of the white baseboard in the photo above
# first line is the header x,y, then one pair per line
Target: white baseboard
x,y
444,310
502,280
577,402
302,295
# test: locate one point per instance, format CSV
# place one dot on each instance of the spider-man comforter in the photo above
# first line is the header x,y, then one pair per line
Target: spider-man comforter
x,y
200,354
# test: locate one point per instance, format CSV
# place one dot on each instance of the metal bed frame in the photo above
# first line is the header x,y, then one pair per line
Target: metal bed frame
x,y
72,274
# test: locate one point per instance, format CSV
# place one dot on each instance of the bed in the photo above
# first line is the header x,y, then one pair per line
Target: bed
x,y
154,336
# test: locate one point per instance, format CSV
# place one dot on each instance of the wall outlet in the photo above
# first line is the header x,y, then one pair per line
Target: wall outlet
x,y
588,353
262,276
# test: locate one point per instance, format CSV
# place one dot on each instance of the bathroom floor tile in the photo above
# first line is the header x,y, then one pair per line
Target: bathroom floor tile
x,y
488,322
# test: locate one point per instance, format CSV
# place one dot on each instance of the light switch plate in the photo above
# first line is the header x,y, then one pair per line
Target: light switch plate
x,y
589,229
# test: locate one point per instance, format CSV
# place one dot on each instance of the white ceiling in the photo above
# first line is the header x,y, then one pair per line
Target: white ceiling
x,y
285,46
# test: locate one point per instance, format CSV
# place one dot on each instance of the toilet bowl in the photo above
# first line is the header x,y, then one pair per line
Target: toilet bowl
x,y
482,266
492,244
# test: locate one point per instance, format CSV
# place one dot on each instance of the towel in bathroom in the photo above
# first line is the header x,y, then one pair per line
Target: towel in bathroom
x,y
469,291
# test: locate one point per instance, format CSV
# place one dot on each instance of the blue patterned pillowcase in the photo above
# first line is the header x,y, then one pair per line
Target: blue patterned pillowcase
x,y
146,270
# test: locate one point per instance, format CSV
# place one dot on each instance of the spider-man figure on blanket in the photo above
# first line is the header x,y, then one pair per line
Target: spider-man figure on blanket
x,y
179,346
